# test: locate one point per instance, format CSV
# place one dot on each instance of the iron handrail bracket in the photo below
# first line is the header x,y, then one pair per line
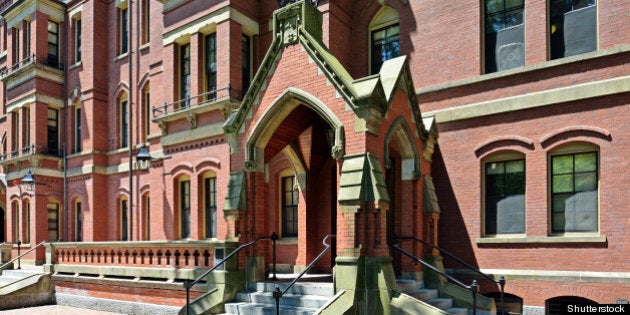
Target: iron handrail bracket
x,y
190,284
473,287
500,282
277,294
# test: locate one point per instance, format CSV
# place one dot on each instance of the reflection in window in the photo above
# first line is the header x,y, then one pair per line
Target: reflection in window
x,y
572,27
289,207
385,46
505,197
574,193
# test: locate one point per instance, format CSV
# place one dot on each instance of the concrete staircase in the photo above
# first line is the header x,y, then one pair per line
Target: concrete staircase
x,y
304,298
30,286
417,290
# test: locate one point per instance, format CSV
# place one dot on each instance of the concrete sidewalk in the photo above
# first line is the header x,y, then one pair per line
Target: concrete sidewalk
x,y
55,310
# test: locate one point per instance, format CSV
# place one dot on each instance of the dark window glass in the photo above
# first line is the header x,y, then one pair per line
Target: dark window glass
x,y
124,35
572,27
211,66
184,202
289,208
53,44
78,130
79,222
53,222
53,131
147,206
502,14
247,67
124,224
184,70
504,35
574,189
385,46
77,38
505,197
211,207
124,124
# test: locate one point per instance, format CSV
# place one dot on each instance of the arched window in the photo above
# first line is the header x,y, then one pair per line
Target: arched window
x,y
289,197
78,219
574,187
210,204
184,207
504,193
123,118
384,38
124,218
146,102
559,305
146,206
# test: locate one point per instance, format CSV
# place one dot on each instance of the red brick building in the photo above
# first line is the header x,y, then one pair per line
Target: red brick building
x,y
495,129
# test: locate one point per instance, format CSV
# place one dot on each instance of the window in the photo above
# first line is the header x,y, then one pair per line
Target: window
x,y
16,45
211,66
147,217
210,186
27,39
184,72
146,95
124,223
77,130
124,123
26,138
15,133
16,221
78,222
146,25
53,221
53,131
572,27
77,40
26,229
385,46
184,207
53,44
504,35
247,64
574,188
504,197
289,207
124,34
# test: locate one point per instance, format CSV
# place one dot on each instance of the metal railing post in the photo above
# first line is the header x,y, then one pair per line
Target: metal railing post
x,y
277,294
502,284
274,238
19,245
474,288
187,296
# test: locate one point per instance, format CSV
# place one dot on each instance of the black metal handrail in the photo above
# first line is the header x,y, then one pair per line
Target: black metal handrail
x,y
277,294
189,285
500,282
473,287
186,103
19,256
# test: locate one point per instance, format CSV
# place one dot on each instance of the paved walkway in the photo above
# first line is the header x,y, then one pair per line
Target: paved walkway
x,y
55,310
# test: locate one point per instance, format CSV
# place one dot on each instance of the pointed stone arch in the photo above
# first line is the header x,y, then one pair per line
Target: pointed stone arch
x,y
273,117
401,131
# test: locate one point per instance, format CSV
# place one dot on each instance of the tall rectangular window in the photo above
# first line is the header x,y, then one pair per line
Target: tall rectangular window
x,y
184,206
147,211
124,223
124,124
124,31
77,130
15,133
26,135
146,22
53,44
27,39
53,131
184,74
504,35
147,113
16,45
53,222
574,188
289,207
385,45
247,63
211,65
77,40
78,222
572,27
505,197
210,186
27,223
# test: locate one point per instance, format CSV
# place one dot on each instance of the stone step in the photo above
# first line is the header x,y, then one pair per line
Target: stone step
x,y
441,303
424,294
294,300
457,311
406,285
19,273
242,308
307,288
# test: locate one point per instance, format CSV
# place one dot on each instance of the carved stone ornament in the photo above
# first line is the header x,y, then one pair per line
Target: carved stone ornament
x,y
337,152
250,165
290,30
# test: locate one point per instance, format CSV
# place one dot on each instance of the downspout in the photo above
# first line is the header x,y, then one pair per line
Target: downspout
x,y
130,114
65,130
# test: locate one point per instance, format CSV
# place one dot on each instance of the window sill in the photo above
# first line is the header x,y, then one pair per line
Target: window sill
x,y
144,46
541,239
121,57
75,65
